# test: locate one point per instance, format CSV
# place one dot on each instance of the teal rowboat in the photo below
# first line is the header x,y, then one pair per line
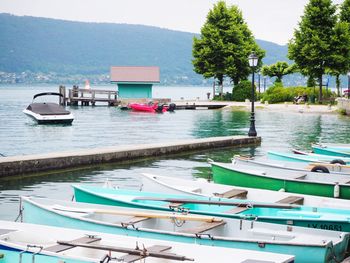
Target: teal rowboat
x,y
321,184
292,157
314,217
307,245
341,152
33,243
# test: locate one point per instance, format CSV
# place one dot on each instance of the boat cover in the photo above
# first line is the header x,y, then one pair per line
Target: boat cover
x,y
47,108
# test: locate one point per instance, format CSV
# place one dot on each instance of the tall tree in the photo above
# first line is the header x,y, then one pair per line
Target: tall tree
x,y
344,14
340,58
224,45
278,70
311,48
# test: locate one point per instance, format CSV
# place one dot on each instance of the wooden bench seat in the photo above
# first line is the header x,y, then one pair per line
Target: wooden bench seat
x,y
237,210
301,177
175,205
133,258
236,193
203,227
135,219
83,240
292,200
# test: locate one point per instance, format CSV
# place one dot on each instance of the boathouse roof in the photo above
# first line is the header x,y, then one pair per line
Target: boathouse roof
x,y
135,74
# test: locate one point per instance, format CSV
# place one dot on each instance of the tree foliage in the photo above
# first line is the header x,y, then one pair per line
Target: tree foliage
x,y
344,14
311,48
224,45
278,70
242,91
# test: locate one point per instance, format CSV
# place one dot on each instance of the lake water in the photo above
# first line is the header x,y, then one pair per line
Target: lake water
x,y
103,126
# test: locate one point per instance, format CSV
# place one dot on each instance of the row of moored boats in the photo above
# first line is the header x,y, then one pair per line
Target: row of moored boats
x,y
46,112
289,207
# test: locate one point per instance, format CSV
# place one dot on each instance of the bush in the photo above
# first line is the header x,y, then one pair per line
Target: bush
x,y
277,93
242,91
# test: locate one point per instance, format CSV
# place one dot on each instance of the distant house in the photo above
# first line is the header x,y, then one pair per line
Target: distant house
x,y
135,82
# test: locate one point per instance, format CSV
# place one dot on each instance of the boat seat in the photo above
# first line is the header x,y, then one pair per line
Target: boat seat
x,y
268,233
301,177
203,227
133,258
237,209
84,240
292,200
237,193
135,219
174,205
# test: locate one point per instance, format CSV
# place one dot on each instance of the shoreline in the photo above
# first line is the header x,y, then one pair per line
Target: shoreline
x,y
285,107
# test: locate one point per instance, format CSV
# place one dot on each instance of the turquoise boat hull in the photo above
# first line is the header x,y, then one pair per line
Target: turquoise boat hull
x,y
330,151
290,157
37,215
333,219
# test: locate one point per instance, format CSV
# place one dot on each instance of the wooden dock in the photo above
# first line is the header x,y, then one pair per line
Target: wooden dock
x,y
199,106
88,96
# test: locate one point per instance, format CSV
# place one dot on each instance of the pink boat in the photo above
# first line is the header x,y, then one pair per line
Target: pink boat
x,y
153,107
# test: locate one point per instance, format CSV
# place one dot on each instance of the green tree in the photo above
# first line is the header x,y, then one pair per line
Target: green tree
x,y
224,45
340,58
278,70
311,48
344,14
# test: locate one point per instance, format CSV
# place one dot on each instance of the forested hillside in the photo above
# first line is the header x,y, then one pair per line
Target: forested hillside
x,y
30,44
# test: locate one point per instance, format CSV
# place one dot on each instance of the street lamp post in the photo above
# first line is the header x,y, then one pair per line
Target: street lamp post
x,y
253,62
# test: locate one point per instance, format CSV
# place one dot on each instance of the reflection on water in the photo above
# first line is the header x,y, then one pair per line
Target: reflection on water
x,y
105,126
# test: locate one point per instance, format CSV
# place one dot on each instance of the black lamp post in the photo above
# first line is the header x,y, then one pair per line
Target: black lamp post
x,y
253,62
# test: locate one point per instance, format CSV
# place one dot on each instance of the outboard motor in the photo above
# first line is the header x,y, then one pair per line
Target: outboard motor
x,y
172,107
159,108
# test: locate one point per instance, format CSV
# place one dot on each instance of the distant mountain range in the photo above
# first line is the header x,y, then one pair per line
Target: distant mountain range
x,y
41,47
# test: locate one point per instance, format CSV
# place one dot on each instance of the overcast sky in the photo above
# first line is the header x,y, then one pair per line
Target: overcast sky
x,y
271,20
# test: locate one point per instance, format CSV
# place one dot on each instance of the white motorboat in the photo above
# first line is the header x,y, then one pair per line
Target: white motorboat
x,y
48,112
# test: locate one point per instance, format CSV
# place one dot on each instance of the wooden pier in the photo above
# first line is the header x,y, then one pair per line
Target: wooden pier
x,y
199,106
88,96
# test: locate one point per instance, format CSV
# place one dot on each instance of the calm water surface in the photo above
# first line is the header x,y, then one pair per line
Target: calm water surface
x,y
103,126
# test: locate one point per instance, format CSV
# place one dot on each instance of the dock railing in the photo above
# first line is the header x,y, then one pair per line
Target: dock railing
x,y
87,96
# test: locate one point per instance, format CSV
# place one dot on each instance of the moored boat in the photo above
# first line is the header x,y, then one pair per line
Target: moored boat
x,y
340,146
174,185
307,157
320,184
152,107
280,213
341,152
308,245
29,243
295,166
48,112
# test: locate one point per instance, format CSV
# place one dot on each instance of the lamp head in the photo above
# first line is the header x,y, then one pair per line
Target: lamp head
x,y
253,59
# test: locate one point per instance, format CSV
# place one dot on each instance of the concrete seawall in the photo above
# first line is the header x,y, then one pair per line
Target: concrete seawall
x,y
29,164
344,104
